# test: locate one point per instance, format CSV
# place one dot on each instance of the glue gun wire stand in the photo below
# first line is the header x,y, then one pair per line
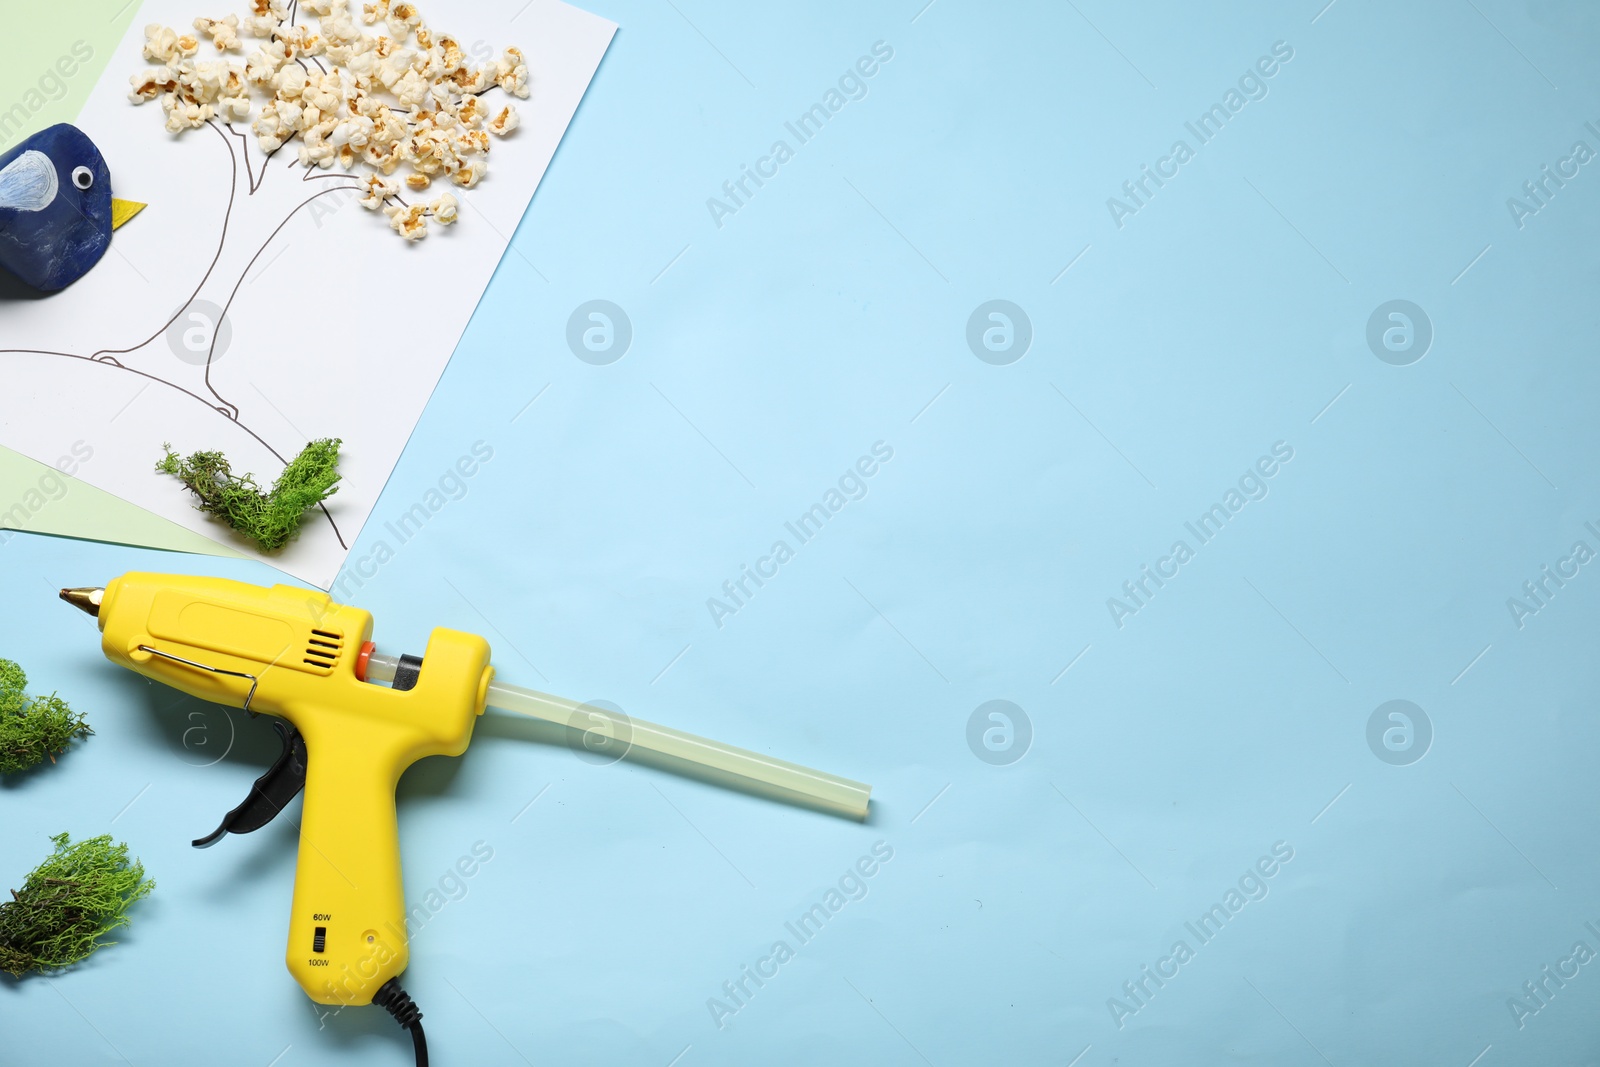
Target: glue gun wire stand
x,y
818,788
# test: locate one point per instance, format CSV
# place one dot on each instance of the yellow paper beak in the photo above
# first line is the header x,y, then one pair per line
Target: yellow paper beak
x,y
123,210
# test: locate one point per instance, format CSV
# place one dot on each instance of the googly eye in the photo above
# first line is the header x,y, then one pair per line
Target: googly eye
x,y
82,177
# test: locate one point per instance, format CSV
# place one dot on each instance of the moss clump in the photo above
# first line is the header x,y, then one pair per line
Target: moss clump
x,y
73,899
271,518
35,729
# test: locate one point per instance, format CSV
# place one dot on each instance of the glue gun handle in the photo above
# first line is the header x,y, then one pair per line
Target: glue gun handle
x,y
347,933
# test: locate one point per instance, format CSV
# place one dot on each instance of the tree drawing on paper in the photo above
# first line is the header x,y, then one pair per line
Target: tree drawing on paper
x,y
371,104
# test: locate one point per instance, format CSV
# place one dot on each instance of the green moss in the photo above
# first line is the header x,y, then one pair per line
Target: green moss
x,y
270,518
35,729
68,904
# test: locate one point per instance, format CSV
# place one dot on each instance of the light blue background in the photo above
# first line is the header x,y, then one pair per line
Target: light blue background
x,y
824,316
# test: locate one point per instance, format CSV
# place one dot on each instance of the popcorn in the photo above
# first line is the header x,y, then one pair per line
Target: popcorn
x,y
234,107
264,63
384,157
403,18
388,127
341,33
269,129
409,222
472,82
161,44
504,122
397,95
265,18
470,174
355,131
362,64
204,83
224,33
377,191
451,57
317,154
151,83
444,209
300,40
290,81
325,93
184,116
393,64
511,73
411,90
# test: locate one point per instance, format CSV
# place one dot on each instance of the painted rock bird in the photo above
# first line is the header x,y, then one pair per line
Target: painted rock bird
x,y
56,208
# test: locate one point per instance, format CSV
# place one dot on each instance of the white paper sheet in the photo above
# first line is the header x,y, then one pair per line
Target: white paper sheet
x,y
335,326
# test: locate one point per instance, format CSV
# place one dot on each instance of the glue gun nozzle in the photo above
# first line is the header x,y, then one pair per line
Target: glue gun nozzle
x,y
86,600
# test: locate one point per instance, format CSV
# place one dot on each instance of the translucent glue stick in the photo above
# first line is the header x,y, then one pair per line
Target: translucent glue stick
x,y
826,791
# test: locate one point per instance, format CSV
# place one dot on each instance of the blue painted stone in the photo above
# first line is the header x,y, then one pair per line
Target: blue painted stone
x,y
55,207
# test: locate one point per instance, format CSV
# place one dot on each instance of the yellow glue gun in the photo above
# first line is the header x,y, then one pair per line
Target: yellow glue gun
x,y
293,653
296,654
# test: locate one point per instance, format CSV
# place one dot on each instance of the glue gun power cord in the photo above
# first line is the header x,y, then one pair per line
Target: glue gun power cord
x,y
394,1000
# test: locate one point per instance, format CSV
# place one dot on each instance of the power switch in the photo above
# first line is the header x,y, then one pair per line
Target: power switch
x,y
319,939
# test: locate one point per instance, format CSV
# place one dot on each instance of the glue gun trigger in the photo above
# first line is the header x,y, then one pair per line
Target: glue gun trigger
x,y
271,792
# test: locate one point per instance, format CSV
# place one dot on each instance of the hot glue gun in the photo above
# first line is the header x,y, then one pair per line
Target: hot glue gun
x,y
352,721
